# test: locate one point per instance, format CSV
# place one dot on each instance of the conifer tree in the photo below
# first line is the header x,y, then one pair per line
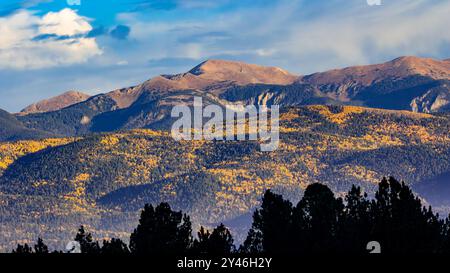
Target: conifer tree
x,y
114,247
161,231
23,249
273,222
87,244
40,247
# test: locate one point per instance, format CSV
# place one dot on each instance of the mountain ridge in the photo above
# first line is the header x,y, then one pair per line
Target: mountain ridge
x,y
12,129
55,103
405,83
397,68
223,70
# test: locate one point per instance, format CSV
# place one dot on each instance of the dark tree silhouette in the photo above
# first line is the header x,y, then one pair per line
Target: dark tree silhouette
x,y
219,242
445,246
87,244
400,222
253,243
201,244
114,247
355,224
23,249
40,247
319,223
271,224
316,220
161,231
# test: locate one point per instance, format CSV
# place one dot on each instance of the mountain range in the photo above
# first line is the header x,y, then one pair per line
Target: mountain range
x,y
96,160
406,83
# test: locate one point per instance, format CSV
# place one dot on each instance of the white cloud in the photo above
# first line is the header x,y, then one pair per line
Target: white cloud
x,y
64,22
300,36
19,49
123,62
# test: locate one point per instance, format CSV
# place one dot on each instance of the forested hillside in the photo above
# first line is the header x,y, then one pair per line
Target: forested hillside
x,y
49,187
12,129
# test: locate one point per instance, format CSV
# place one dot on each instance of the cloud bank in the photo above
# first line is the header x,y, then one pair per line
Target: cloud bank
x,y
62,40
302,36
45,51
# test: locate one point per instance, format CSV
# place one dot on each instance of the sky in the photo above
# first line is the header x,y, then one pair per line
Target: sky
x,y
48,47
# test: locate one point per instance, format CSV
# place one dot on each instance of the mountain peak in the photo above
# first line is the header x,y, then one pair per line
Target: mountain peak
x,y
216,74
423,66
216,65
55,103
409,58
240,72
398,68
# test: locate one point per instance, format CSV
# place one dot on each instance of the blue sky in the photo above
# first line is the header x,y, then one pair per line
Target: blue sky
x,y
49,46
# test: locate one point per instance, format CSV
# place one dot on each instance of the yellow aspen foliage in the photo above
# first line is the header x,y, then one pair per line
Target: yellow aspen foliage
x,y
109,140
82,177
10,151
338,118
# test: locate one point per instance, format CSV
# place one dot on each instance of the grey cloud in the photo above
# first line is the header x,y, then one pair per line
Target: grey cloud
x,y
120,32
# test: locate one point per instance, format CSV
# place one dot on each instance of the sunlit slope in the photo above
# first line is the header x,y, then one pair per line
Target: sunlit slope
x,y
334,145
10,151
104,179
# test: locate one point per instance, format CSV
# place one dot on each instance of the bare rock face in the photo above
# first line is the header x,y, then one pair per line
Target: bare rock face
x,y
56,103
433,101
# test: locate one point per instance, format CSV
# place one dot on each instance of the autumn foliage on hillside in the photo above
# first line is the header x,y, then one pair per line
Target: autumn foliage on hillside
x,y
320,223
49,186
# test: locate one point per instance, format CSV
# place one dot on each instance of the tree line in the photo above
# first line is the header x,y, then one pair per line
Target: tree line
x,y
320,223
